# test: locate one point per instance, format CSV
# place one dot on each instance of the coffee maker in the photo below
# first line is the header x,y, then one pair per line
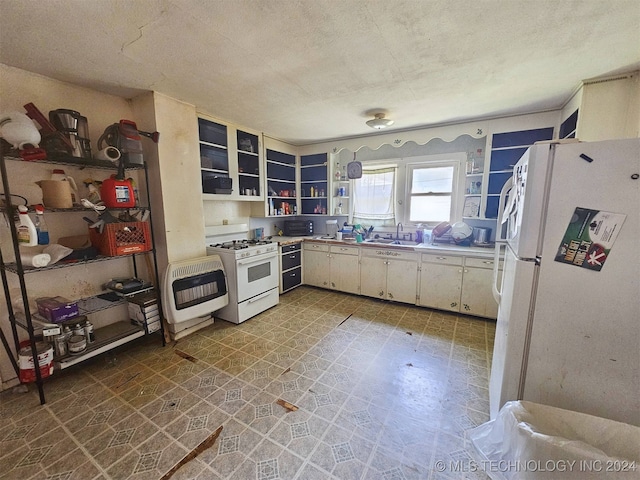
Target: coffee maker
x,y
75,127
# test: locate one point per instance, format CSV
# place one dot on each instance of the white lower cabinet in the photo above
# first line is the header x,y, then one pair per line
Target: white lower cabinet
x,y
389,274
335,267
477,297
457,284
440,281
315,264
345,268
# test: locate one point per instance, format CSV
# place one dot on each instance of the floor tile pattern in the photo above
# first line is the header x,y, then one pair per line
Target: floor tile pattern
x,y
383,390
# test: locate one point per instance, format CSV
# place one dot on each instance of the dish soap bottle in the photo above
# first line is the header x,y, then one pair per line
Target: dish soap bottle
x,y
27,234
41,226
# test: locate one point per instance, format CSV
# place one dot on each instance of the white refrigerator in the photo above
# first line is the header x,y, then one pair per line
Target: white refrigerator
x,y
568,327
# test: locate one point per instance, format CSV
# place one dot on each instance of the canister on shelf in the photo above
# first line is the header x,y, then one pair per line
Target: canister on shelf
x,y
60,345
88,332
77,344
78,330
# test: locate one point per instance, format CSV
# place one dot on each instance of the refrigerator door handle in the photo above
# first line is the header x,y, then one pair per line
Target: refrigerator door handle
x,y
500,240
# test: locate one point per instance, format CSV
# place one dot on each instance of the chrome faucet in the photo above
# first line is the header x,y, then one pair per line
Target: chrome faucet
x,y
399,228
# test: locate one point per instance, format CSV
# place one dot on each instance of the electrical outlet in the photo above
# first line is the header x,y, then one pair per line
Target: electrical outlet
x,y
225,221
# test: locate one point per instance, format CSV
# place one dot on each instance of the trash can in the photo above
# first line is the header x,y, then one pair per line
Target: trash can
x,y
533,441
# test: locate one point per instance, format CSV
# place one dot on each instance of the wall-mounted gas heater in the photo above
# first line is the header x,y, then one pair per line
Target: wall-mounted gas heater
x,y
193,290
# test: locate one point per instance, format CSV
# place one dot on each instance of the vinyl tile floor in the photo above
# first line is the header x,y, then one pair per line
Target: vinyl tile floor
x,y
383,390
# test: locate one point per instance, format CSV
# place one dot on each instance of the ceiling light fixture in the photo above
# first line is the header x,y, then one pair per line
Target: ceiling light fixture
x,y
379,121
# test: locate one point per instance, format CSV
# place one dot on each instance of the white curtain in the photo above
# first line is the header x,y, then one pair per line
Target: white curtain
x,y
374,197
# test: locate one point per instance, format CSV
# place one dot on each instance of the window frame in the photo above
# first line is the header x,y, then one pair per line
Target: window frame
x,y
455,184
403,183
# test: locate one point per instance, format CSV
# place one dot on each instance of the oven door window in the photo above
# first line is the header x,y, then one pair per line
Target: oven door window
x,y
258,272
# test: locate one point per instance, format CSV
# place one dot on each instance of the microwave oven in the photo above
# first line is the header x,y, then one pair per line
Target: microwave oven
x,y
297,228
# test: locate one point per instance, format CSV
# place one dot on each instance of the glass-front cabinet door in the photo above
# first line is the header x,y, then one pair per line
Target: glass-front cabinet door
x,y
214,157
231,163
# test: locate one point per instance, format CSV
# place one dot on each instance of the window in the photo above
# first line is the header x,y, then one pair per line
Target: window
x,y
431,190
374,196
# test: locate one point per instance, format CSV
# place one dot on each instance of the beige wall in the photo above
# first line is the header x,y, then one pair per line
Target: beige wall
x,y
178,176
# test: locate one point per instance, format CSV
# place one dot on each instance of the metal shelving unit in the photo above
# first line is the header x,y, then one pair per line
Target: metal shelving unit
x,y
107,337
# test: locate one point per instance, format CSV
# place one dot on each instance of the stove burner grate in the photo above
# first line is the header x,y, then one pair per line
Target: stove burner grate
x,y
241,244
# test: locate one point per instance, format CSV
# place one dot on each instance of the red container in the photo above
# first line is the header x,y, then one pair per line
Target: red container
x,y
117,193
25,361
122,238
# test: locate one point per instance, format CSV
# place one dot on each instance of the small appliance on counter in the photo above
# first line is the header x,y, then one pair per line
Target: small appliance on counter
x,y
298,228
332,228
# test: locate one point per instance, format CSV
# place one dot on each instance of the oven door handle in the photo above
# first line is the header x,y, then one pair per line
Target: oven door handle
x,y
259,297
261,258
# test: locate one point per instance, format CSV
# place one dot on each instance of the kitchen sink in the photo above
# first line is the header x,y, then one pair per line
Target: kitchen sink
x,y
388,241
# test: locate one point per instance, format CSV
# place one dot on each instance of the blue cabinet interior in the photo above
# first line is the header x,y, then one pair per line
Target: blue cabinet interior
x,y
506,150
313,174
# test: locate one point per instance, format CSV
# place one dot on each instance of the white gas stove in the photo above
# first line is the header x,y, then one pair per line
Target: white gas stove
x,y
252,271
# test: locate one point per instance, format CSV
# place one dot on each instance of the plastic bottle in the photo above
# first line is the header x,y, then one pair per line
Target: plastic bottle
x,y
41,226
27,234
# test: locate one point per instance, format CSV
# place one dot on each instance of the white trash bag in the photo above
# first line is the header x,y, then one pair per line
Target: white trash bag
x,y
533,441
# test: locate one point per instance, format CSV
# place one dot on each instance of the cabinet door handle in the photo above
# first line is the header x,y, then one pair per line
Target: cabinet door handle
x,y
466,271
292,256
390,295
381,294
441,258
460,271
488,262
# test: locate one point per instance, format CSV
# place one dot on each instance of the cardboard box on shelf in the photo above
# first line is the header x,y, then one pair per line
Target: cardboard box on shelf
x,y
56,309
144,311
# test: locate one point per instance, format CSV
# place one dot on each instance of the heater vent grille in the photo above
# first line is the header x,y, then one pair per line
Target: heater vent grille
x,y
195,267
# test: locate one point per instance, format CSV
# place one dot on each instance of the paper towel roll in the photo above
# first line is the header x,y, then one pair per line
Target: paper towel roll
x,y
35,259
108,153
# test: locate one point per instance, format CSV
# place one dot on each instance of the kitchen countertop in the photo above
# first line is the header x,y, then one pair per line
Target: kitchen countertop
x,y
420,248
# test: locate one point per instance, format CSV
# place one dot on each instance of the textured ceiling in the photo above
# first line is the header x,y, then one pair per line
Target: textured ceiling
x,y
310,70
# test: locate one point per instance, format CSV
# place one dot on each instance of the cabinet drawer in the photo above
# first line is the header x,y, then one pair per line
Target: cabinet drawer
x,y
444,259
390,254
345,250
290,260
479,262
290,248
316,247
291,279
